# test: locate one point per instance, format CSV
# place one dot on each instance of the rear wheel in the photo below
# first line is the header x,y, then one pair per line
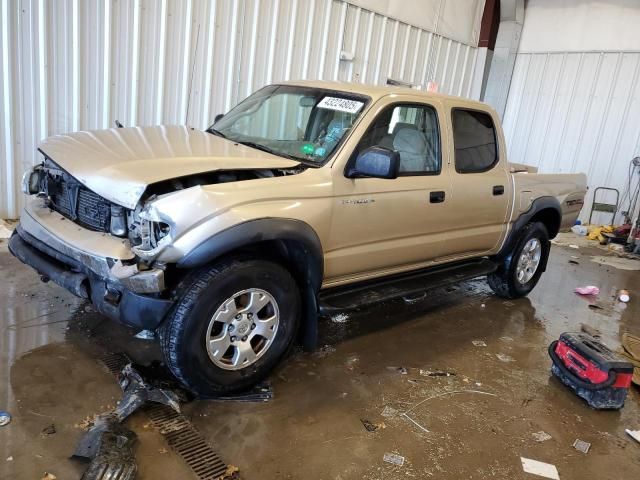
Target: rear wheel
x,y
232,324
521,269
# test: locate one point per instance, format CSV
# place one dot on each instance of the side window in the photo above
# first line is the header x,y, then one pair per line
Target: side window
x,y
411,130
474,139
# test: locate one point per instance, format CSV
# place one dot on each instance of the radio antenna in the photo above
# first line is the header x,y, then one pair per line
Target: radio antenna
x,y
193,68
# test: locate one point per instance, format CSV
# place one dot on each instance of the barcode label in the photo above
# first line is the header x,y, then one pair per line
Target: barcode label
x,y
341,104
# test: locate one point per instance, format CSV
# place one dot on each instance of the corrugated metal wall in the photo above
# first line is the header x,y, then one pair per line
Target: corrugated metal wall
x,y
74,65
576,112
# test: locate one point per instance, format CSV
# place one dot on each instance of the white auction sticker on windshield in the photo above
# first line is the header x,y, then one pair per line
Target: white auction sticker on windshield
x,y
340,104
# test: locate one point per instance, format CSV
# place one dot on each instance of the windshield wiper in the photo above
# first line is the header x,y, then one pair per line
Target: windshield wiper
x,y
264,148
215,132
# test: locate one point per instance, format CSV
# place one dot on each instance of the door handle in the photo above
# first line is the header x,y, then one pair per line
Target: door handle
x,y
436,197
498,189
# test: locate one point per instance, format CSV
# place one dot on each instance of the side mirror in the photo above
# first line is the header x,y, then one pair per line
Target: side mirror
x,y
375,162
218,117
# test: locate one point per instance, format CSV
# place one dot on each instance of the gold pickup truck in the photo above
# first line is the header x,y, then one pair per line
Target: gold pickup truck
x,y
307,197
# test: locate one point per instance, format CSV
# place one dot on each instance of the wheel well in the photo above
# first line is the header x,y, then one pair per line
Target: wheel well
x,y
550,217
304,264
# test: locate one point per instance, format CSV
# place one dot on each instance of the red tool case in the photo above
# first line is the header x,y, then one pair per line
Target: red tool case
x,y
591,370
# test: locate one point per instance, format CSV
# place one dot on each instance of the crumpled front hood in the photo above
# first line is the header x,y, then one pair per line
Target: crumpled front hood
x,y
120,163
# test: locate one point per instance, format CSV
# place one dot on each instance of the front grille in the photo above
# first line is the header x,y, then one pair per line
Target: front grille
x,y
76,202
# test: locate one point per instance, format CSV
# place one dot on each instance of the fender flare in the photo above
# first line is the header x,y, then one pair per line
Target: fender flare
x,y
539,204
260,230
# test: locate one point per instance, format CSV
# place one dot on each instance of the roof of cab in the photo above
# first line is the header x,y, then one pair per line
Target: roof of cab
x,y
378,91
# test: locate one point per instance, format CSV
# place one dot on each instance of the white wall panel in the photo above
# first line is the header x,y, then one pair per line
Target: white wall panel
x,y
576,112
79,65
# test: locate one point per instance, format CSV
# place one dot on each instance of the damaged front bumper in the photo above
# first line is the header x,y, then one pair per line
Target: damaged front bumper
x,y
39,241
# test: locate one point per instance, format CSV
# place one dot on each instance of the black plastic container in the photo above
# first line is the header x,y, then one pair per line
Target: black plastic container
x,y
591,370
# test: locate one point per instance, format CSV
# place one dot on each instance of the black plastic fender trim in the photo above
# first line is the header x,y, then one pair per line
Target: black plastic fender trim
x,y
255,231
537,205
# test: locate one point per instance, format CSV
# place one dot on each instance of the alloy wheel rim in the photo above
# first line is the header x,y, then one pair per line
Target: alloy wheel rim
x,y
242,329
529,260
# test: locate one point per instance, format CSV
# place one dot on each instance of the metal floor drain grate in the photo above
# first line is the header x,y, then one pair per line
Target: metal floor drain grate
x,y
180,434
187,442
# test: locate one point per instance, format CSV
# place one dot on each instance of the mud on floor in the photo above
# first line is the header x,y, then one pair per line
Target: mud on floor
x,y
374,365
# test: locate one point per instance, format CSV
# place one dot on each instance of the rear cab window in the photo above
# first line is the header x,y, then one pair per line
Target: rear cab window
x,y
475,140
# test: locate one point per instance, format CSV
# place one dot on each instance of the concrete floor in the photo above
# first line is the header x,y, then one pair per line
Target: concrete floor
x,y
312,429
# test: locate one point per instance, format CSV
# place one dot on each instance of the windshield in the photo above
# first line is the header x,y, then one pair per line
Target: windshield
x,y
301,123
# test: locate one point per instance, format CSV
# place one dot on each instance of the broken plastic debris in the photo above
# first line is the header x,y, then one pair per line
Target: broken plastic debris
x,y
437,373
400,370
541,436
573,245
340,318
479,343
635,434
504,358
623,296
581,445
9,459
49,476
370,426
48,430
5,418
588,290
394,459
388,412
120,271
145,335
541,469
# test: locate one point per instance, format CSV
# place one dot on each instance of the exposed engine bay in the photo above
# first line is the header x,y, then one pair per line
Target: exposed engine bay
x,y
66,195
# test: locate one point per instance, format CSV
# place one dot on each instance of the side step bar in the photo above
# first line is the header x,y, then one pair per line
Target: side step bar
x,y
351,297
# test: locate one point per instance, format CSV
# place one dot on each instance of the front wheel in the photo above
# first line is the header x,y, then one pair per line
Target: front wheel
x,y
232,324
521,269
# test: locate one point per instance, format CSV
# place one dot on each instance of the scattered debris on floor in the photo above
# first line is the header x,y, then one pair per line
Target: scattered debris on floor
x,y
437,373
505,358
588,290
108,444
9,459
370,426
574,262
48,476
541,436
5,418
400,370
393,459
635,434
479,343
581,445
340,318
541,469
48,430
324,351
624,296
145,335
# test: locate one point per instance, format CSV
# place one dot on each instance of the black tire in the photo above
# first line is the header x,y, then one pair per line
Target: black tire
x,y
183,334
504,281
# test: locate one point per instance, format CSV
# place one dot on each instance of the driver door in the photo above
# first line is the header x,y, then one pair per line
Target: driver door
x,y
382,226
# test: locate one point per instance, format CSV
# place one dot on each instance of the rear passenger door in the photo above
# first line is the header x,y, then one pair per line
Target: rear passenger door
x,y
480,182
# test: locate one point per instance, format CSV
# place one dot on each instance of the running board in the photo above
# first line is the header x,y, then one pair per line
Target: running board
x,y
351,297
